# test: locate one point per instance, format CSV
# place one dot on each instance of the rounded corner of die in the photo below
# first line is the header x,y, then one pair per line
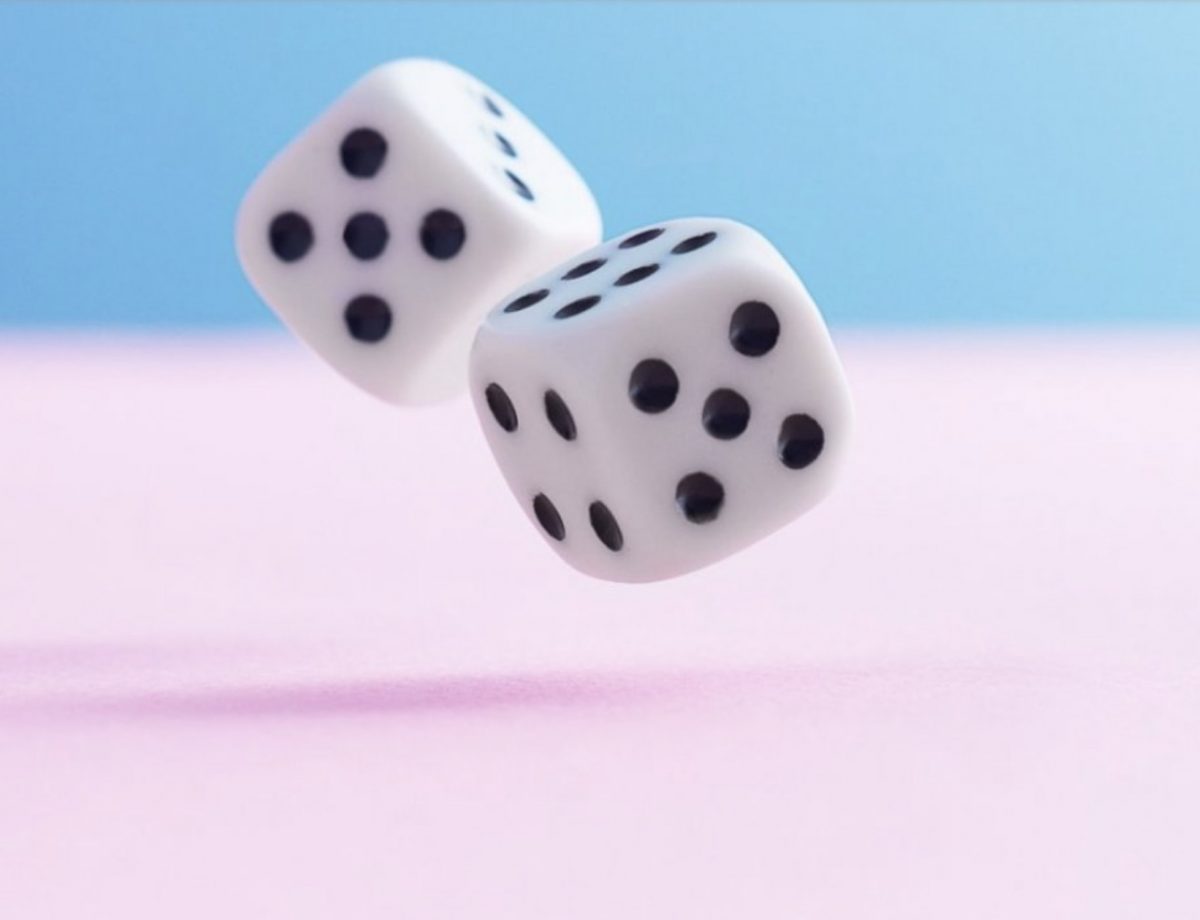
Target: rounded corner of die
x,y
427,63
248,250
416,72
477,357
591,221
473,345
384,71
244,219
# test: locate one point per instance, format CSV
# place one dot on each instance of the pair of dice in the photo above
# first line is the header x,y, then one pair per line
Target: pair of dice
x,y
656,402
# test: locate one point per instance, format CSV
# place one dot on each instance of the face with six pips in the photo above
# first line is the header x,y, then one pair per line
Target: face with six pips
x,y
663,400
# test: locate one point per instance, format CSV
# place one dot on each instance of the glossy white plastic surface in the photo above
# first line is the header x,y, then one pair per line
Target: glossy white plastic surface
x,y
442,153
631,460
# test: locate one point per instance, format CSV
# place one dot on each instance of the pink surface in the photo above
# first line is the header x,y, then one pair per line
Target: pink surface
x,y
269,649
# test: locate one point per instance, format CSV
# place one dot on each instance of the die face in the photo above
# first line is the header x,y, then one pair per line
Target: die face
x,y
700,424
524,171
383,233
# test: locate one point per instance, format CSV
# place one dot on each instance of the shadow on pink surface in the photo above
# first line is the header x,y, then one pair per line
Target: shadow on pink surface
x,y
111,682
364,697
240,676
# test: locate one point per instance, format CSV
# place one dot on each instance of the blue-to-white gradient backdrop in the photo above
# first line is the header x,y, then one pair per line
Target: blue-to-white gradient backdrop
x,y
918,163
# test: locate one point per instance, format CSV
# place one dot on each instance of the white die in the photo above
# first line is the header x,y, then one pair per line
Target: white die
x,y
385,231
663,400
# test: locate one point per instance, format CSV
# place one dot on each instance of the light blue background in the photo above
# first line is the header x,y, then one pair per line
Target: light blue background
x,y
918,163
